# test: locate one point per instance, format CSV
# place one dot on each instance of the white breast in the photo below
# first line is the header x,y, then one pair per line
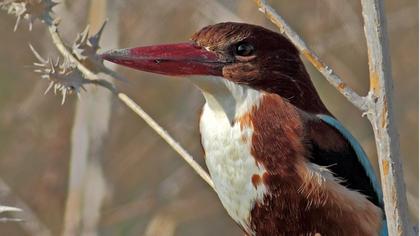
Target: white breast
x,y
228,151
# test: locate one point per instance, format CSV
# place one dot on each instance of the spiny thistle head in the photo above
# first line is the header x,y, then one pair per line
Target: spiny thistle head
x,y
30,10
85,49
64,77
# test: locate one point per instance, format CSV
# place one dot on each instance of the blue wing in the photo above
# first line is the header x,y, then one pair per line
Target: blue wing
x,y
362,158
361,155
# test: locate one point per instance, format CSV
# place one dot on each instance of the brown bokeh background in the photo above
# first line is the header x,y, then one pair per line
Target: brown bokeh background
x,y
150,190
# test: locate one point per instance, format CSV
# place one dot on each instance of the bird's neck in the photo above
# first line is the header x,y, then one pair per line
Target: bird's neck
x,y
297,89
227,98
305,97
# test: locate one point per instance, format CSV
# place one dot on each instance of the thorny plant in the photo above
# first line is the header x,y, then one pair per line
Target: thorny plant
x,y
64,76
81,65
30,10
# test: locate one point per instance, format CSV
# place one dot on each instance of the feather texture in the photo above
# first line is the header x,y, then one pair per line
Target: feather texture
x,y
361,157
360,153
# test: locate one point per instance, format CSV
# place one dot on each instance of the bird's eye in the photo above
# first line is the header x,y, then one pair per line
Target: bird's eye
x,y
244,49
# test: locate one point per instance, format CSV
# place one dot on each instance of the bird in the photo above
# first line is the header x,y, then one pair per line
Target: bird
x,y
281,163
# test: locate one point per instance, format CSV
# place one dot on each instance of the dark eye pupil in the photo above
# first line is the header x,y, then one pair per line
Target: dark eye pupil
x,y
244,49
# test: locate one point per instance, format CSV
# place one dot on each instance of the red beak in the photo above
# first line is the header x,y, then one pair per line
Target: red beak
x,y
181,59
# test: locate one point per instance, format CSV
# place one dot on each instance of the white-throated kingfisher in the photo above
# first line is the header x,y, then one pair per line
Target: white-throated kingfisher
x,y
280,162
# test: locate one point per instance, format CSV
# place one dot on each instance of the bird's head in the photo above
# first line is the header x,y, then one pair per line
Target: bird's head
x,y
245,54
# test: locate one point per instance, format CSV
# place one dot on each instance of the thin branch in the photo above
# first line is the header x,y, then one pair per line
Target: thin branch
x,y
159,130
381,116
357,100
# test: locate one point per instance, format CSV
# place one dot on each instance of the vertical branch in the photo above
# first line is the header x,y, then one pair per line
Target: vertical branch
x,y
78,159
87,186
100,103
380,115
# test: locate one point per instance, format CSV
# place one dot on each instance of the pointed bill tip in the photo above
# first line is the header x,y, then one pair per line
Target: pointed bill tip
x,y
115,54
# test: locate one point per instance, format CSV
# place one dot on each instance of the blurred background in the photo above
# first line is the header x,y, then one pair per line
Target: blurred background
x,y
92,167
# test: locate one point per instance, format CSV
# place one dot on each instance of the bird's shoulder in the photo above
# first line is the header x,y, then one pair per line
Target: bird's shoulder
x,y
332,146
319,138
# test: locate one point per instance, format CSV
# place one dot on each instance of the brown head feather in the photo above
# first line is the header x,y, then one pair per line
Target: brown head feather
x,y
274,66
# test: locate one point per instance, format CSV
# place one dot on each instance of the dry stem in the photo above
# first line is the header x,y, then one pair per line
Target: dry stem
x,y
162,133
381,117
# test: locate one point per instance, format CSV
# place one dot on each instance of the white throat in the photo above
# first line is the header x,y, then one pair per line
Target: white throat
x,y
227,143
225,97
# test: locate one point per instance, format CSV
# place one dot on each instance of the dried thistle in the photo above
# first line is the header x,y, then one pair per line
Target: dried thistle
x,y
64,77
29,10
85,49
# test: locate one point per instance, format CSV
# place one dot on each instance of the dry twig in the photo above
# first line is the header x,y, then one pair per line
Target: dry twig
x,y
380,114
159,130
